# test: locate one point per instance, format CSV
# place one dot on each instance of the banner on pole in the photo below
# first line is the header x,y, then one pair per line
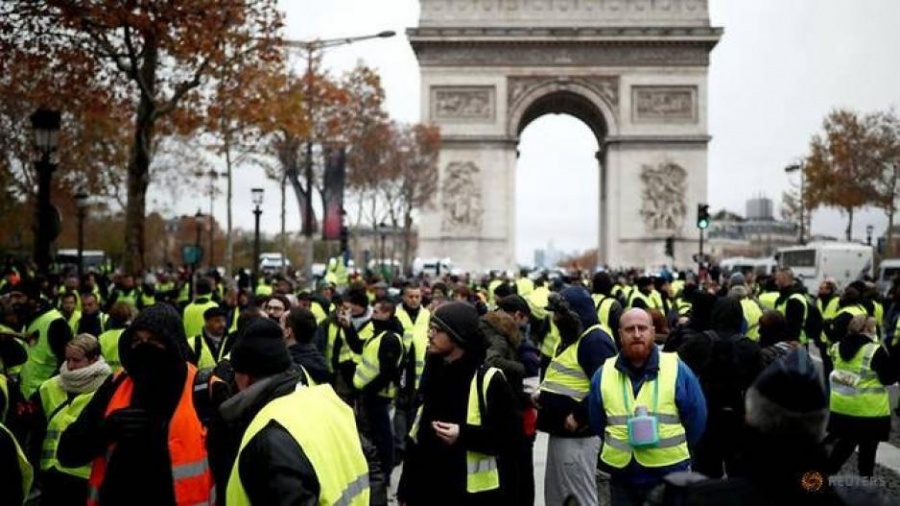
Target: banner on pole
x,y
335,174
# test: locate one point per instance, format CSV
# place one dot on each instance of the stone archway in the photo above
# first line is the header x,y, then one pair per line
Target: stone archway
x,y
634,71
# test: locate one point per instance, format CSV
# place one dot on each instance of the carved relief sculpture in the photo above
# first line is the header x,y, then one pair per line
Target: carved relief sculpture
x,y
605,86
461,198
663,197
665,104
462,103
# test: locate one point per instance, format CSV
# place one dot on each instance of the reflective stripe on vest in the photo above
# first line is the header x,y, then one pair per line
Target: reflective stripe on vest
x,y
416,332
325,428
370,366
855,388
61,412
25,468
481,469
191,477
658,395
41,362
565,375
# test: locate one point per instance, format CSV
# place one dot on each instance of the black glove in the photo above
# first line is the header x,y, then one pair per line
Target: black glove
x,y
130,423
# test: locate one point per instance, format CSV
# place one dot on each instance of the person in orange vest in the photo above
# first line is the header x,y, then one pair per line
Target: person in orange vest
x,y
141,433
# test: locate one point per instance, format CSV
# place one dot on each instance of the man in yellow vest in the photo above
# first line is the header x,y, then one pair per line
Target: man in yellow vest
x,y
792,304
649,408
92,321
46,333
609,310
376,379
466,425
193,312
415,319
298,444
572,447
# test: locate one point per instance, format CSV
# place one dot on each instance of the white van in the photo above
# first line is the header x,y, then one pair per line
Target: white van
x,y
844,262
887,269
432,267
758,266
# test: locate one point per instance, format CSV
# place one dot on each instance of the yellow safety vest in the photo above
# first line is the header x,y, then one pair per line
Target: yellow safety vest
x,y
637,294
768,299
752,314
4,395
24,467
604,305
193,316
782,308
109,348
415,332
565,375
41,362
524,286
325,428
61,411
201,352
481,468
537,302
829,311
658,396
369,367
73,321
315,307
551,340
855,389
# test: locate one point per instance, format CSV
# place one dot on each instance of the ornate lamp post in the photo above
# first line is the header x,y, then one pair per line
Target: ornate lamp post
x,y
45,124
257,196
81,203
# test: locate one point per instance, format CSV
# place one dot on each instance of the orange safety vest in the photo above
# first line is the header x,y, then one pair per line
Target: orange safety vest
x,y
187,448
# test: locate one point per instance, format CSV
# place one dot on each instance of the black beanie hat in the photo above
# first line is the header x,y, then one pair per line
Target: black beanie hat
x,y
788,398
460,321
261,351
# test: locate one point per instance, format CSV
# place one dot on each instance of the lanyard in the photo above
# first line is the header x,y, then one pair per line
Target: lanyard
x,y
626,397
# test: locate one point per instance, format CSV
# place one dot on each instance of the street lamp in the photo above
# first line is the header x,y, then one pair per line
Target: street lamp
x,y
795,168
45,124
212,174
311,47
382,226
257,195
869,230
81,203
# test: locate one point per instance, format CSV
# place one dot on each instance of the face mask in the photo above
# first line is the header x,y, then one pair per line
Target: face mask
x,y
148,362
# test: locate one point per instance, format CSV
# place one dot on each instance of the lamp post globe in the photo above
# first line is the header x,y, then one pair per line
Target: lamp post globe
x,y
256,195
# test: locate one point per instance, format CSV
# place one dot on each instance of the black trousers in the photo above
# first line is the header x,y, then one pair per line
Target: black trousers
x,y
843,448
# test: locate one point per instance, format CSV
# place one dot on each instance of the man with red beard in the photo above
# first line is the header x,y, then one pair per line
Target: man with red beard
x,y
649,408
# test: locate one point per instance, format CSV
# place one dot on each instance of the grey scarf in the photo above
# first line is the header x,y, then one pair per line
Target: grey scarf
x,y
86,379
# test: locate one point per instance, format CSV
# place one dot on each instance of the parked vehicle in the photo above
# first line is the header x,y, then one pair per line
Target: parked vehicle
x,y
744,265
844,262
887,270
67,259
273,262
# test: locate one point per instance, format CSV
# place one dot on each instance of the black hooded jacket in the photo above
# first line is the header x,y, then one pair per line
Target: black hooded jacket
x,y
724,360
139,465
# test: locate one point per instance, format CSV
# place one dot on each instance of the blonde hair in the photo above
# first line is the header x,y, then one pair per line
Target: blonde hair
x,y
88,344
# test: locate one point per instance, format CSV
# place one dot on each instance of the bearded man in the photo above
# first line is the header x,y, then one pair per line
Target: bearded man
x,y
649,408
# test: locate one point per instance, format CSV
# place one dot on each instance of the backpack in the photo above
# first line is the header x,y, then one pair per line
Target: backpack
x,y
720,374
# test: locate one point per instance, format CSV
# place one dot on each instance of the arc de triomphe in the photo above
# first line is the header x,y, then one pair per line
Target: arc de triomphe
x,y
635,71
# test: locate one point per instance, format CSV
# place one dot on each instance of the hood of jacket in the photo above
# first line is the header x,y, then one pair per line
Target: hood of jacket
x,y
581,302
727,316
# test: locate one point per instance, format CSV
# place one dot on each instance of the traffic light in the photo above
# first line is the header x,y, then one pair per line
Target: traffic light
x,y
702,216
670,246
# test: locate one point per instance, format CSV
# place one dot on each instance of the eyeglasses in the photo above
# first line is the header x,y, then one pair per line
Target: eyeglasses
x,y
274,308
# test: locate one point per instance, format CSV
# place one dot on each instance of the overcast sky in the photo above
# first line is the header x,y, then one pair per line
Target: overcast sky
x,y
778,70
